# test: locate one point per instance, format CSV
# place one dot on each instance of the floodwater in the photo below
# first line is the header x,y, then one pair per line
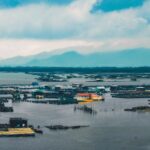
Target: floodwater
x,y
24,79
16,78
110,129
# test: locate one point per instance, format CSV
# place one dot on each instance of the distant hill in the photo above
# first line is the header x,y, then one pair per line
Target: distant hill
x,y
132,57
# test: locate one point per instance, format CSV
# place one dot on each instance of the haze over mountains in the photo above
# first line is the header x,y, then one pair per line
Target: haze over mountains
x,y
124,58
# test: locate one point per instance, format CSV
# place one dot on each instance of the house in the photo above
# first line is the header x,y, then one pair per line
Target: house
x,y
88,97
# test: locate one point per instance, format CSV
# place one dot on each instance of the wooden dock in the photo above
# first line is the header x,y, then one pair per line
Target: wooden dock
x,y
17,132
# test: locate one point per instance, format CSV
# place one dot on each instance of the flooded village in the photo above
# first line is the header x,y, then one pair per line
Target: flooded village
x,y
48,106
74,74
80,90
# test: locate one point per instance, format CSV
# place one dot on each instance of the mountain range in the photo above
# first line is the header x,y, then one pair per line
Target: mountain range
x,y
123,58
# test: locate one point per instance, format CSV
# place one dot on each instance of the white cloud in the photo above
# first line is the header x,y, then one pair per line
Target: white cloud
x,y
44,21
24,47
10,48
86,31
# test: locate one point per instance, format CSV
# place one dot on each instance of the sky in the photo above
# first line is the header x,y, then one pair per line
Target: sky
x,y
28,27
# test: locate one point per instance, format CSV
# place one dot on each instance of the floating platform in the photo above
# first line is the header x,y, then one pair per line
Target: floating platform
x,y
62,127
139,109
16,132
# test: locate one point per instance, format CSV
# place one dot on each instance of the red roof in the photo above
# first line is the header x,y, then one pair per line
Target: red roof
x,y
86,94
83,94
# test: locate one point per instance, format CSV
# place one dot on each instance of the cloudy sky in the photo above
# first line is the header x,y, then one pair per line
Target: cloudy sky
x,y
32,26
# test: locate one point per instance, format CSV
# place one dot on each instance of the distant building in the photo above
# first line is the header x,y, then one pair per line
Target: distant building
x,y
88,97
